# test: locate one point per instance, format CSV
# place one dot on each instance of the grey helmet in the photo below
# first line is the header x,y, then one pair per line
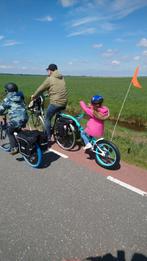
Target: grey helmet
x,y
11,87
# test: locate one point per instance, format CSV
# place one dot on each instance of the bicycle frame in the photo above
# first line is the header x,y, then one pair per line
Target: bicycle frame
x,y
76,119
73,118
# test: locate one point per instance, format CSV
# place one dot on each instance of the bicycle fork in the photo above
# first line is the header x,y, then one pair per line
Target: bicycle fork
x,y
99,151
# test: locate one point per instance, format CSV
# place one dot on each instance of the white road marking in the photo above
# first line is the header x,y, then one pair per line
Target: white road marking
x,y
127,186
117,181
59,153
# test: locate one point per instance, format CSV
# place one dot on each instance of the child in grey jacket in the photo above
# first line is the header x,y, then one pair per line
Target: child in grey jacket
x,y
14,105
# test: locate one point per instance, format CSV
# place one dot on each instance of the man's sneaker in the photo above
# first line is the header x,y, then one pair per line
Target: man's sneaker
x,y
88,146
14,151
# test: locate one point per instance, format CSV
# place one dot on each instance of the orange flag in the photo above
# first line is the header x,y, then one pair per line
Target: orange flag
x,y
134,80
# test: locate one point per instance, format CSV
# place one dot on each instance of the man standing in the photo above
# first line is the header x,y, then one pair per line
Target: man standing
x,y
57,91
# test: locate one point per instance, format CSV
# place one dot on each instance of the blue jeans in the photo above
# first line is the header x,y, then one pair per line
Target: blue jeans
x,y
84,137
11,128
51,111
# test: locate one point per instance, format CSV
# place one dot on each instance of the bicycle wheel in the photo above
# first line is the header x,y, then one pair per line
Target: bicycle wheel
x,y
37,121
64,134
35,159
107,154
4,140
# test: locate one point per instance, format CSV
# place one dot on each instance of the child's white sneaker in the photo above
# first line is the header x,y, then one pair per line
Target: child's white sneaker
x,y
88,146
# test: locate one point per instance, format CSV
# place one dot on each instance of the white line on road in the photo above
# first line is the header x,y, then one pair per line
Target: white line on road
x,y
59,153
127,186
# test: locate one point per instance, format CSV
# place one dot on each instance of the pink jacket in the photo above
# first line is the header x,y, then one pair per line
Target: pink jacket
x,y
94,126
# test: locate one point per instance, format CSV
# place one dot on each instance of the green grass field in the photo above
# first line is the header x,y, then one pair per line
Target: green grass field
x,y
132,144
113,90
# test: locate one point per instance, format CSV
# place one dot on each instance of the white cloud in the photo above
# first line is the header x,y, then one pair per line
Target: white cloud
x,y
122,8
125,58
1,37
119,40
11,43
67,3
108,26
83,32
24,68
109,53
136,58
115,62
15,62
99,12
4,66
145,53
47,18
97,45
143,42
83,21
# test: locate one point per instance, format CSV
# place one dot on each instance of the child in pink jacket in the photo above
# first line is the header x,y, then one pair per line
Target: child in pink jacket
x,y
95,125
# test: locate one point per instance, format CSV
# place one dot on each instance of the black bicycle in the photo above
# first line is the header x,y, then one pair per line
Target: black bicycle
x,y
31,144
36,113
62,128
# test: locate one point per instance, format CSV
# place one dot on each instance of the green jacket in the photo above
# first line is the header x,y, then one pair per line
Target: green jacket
x,y
55,85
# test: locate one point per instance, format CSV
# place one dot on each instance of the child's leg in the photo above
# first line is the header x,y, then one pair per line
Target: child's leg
x,y
84,137
10,133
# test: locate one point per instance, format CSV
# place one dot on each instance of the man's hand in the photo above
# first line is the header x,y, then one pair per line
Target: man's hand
x,y
32,97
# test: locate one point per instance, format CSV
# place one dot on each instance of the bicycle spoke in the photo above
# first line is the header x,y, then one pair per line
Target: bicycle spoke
x,y
4,140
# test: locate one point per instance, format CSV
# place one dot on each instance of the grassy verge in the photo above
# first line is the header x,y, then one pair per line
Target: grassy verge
x,y
132,144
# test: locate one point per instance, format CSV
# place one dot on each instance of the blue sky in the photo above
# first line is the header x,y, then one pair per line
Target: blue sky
x,y
83,37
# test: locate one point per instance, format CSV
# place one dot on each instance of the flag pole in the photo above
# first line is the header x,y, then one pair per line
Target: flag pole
x,y
135,82
121,110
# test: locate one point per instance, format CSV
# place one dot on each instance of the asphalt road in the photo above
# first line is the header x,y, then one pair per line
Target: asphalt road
x,y
65,210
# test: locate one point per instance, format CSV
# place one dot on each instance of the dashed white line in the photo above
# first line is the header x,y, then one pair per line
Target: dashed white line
x,y
127,186
117,181
59,153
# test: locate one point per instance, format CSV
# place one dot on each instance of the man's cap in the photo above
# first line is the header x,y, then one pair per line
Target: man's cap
x,y
52,67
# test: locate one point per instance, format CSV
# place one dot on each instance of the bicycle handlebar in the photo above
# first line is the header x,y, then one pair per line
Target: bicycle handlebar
x,y
79,116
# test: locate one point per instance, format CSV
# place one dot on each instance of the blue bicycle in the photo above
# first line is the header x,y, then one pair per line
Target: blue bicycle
x,y
67,130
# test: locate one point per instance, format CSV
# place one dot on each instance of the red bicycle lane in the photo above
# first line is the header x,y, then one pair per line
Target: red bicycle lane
x,y
129,174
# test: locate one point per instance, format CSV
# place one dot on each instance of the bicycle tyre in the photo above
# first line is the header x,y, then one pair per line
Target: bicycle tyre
x,y
35,159
37,121
4,140
67,139
111,159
